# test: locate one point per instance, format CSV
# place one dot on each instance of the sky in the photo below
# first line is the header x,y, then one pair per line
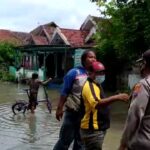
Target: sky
x,y
26,15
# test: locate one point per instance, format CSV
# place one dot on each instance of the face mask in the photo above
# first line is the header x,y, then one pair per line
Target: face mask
x,y
100,79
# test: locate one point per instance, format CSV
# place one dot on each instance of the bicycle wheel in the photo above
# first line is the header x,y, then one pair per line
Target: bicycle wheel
x,y
49,105
19,107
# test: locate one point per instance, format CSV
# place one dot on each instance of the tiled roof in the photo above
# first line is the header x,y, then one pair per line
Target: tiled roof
x,y
48,32
40,40
75,37
23,36
36,40
47,26
51,24
9,36
42,35
37,30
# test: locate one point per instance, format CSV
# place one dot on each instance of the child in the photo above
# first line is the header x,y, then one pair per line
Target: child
x,y
34,84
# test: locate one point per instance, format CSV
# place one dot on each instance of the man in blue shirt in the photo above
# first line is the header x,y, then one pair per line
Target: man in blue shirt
x,y
70,97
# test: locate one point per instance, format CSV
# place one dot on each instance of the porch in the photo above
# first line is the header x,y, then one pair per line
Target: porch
x,y
46,60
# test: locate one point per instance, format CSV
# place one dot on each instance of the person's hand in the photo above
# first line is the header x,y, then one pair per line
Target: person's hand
x,y
59,113
122,97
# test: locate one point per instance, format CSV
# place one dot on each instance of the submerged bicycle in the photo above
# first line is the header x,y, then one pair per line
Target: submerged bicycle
x,y
21,106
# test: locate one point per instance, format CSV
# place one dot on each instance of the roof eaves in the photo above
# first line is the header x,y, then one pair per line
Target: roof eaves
x,y
58,31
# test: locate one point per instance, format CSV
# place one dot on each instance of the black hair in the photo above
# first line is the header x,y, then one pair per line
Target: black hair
x,y
84,56
146,57
34,75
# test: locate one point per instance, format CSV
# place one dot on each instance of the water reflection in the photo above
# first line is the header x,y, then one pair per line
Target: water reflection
x,y
32,128
19,118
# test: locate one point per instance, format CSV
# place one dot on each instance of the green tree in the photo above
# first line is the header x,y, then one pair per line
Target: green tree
x,y
7,58
7,53
124,32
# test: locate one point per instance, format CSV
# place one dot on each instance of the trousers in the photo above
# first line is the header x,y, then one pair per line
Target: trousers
x,y
69,132
92,139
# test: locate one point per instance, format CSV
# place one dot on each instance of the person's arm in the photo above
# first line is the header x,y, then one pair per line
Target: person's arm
x,y
59,111
67,85
135,114
45,82
96,101
119,97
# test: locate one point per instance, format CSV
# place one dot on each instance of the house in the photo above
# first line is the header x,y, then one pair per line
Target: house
x,y
11,37
51,50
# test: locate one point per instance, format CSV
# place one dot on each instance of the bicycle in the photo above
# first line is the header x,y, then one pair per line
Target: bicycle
x,y
21,106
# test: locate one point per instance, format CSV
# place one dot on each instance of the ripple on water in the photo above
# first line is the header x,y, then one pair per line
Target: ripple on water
x,y
29,131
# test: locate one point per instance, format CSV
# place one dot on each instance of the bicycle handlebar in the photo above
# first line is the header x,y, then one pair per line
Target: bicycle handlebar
x,y
44,87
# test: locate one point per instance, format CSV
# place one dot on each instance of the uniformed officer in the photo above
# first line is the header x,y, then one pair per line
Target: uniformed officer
x,y
136,134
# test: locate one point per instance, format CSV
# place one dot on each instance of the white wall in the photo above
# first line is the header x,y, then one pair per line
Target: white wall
x,y
28,73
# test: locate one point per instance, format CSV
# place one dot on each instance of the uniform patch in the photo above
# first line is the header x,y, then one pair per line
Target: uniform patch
x,y
136,90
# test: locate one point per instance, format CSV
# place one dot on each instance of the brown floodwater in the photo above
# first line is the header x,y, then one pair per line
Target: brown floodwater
x,y
40,131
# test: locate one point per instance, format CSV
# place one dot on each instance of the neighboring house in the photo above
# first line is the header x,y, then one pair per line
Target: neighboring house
x,y
10,37
54,48
89,25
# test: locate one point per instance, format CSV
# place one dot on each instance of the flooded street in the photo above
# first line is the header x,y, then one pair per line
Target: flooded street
x,y
40,131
